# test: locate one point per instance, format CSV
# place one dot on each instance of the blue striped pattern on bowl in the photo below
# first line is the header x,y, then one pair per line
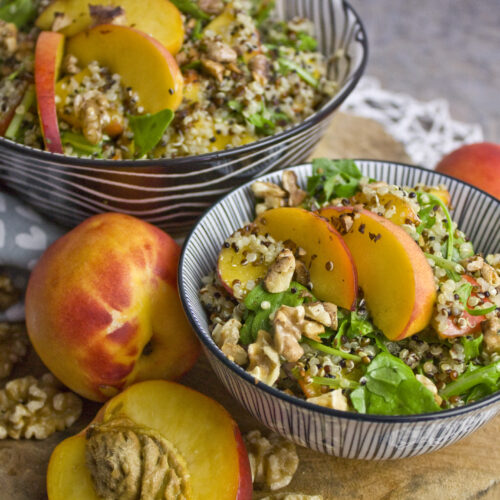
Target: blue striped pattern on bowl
x,y
334,432
173,193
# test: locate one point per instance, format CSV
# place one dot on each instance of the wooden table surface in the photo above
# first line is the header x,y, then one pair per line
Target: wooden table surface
x,y
467,470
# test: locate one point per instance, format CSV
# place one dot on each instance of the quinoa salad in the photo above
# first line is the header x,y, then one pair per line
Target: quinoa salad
x,y
270,312
240,75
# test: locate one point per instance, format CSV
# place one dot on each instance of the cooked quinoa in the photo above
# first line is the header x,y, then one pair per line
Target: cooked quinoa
x,y
246,76
335,354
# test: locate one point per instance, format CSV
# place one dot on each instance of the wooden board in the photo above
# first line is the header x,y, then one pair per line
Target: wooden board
x,y
467,470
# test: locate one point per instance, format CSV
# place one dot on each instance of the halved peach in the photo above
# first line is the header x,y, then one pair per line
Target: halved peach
x,y
48,56
200,430
396,279
159,18
330,264
144,64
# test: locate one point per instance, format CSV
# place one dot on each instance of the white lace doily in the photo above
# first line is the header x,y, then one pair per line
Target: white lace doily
x,y
426,129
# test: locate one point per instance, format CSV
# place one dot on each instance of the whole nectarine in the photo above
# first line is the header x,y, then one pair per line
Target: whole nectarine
x,y
202,444
102,307
478,164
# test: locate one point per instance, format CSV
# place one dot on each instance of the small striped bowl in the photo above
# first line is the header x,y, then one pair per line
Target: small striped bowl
x,y
173,193
343,434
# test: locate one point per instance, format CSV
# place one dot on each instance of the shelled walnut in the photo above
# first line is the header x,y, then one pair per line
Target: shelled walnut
x,y
273,460
13,346
31,408
9,295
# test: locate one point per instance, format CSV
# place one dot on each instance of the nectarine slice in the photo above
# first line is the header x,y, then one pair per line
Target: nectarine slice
x,y
198,428
143,63
48,56
396,279
159,18
331,267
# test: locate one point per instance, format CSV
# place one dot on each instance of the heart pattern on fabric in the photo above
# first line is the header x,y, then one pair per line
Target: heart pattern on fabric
x,y
36,239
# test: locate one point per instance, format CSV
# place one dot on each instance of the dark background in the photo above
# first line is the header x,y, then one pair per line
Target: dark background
x,y
439,49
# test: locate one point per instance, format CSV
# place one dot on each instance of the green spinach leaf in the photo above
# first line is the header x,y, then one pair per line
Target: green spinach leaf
x,y
148,129
472,347
392,389
19,12
80,144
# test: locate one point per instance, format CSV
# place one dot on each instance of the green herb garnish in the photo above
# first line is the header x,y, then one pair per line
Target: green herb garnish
x,y
286,65
472,347
337,383
19,12
333,179
330,350
27,102
191,8
392,389
453,270
148,129
464,292
80,144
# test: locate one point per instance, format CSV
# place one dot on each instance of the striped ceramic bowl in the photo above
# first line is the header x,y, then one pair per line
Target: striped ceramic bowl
x,y
172,193
344,434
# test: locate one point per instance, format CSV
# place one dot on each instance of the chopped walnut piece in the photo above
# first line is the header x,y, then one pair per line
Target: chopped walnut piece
x,y
280,273
8,294
264,360
295,194
346,222
31,408
322,312
429,384
273,460
287,324
226,337
301,274
491,332
493,260
220,52
8,39
60,21
13,346
211,6
70,64
107,14
260,67
262,189
334,399
213,68
490,275
474,263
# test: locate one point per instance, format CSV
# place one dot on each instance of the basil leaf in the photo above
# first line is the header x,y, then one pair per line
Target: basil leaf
x,y
471,347
80,144
19,12
487,375
191,8
148,129
392,389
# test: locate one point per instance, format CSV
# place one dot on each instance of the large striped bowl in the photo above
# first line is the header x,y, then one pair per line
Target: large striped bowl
x,y
173,193
343,434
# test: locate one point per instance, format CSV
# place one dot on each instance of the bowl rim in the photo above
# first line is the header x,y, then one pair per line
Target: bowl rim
x,y
295,401
314,119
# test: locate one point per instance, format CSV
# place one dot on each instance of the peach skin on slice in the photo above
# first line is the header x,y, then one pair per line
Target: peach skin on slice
x,y
143,63
159,18
331,266
396,279
200,430
48,56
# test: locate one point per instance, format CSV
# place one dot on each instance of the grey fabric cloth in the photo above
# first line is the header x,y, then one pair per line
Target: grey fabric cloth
x,y
24,236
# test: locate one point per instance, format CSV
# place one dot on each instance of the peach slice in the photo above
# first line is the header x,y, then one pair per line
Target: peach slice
x,y
396,279
159,18
328,258
200,429
103,310
48,56
473,322
142,62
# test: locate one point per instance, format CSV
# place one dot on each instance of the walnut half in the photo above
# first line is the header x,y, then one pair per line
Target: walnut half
x,y
13,346
31,408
